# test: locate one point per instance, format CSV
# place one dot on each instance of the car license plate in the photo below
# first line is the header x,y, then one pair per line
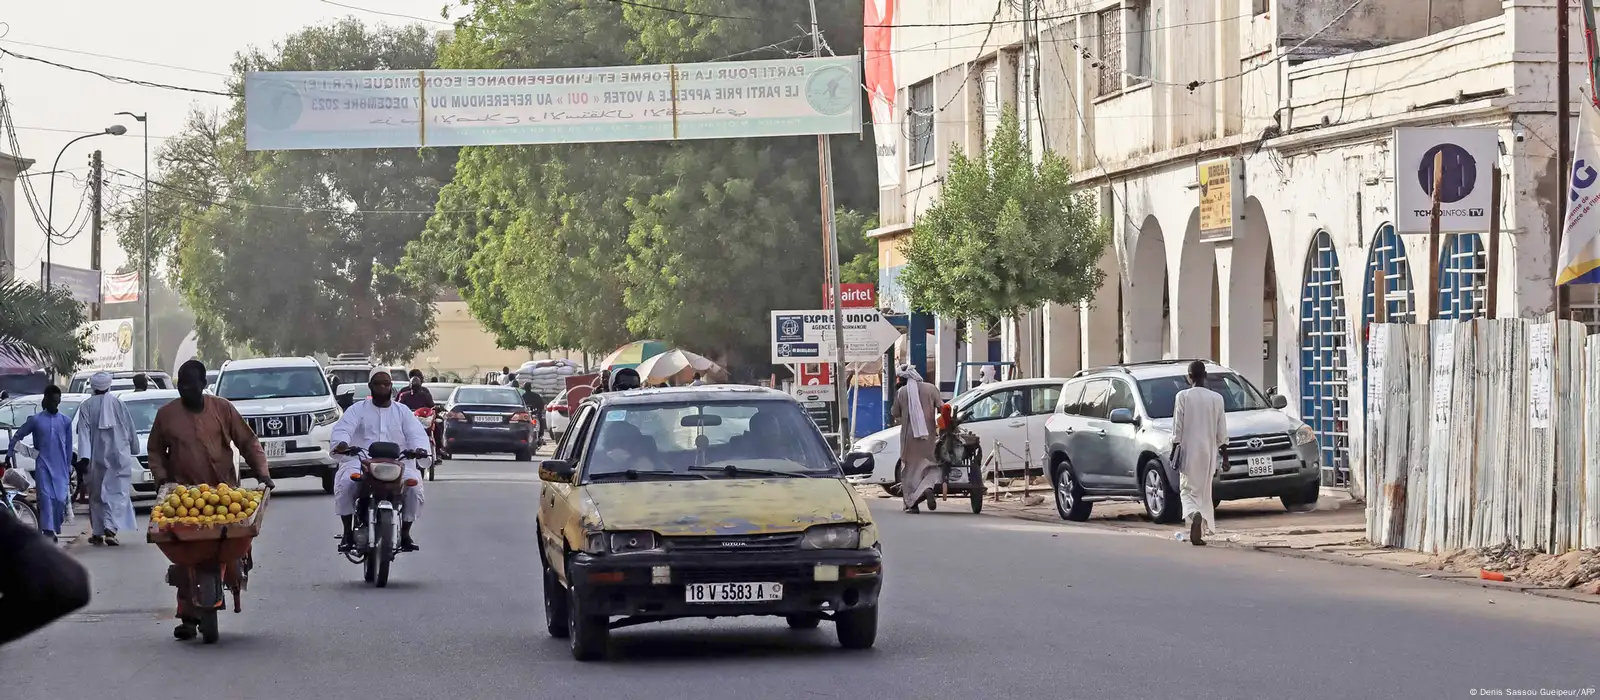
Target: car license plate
x,y
275,448
486,419
733,592
1260,466
958,475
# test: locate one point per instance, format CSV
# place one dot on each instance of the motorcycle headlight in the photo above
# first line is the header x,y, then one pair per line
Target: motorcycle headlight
x,y
629,542
1304,435
872,446
386,471
328,417
832,537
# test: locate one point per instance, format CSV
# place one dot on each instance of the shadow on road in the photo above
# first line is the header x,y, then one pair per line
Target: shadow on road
x,y
645,646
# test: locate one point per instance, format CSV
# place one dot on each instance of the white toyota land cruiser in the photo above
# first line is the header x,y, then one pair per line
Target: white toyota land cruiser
x,y
287,402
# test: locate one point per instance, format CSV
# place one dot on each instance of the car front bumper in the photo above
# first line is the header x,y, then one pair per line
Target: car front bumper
x,y
814,581
1284,483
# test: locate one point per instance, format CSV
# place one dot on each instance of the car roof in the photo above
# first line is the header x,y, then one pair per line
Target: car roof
x,y
1009,383
1153,368
707,393
119,373
149,395
270,362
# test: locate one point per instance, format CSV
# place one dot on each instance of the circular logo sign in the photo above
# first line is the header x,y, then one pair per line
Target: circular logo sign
x,y
830,91
278,105
1460,172
790,327
125,336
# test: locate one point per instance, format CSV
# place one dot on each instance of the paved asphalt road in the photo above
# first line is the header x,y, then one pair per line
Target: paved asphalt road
x,y
977,607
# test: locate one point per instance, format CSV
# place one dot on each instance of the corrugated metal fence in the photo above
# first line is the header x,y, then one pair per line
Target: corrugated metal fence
x,y
1481,433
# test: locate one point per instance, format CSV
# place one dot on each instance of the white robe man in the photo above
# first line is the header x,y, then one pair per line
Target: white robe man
x,y
1200,441
107,440
377,419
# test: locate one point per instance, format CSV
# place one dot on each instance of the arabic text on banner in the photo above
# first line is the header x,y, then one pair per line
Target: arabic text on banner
x,y
120,288
409,109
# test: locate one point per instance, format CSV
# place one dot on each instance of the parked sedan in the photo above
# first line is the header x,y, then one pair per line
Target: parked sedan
x,y
557,414
1111,439
487,419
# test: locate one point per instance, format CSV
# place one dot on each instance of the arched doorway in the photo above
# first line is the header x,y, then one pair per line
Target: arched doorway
x,y
1324,334
1147,301
1463,278
1388,256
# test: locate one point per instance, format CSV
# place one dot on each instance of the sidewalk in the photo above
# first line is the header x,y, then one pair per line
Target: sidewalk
x,y
1335,531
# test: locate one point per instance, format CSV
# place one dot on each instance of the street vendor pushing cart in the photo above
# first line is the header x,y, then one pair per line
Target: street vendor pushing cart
x,y
190,444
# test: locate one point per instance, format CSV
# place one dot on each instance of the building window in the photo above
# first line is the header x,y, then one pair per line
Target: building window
x,y
1110,28
921,124
1263,6
1139,39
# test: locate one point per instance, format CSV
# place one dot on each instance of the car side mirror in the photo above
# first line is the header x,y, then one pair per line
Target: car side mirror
x,y
858,464
1279,402
556,471
1123,416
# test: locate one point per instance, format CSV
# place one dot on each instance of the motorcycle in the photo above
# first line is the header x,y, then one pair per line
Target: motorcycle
x,y
14,487
427,416
380,508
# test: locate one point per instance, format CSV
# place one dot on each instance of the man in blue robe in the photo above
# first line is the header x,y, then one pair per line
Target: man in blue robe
x,y
52,471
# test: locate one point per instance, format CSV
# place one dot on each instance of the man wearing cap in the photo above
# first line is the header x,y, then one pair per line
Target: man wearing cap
x,y
106,440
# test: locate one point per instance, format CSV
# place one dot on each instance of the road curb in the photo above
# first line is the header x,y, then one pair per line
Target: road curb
x,y
1343,560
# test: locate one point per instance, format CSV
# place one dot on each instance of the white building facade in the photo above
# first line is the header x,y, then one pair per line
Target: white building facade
x,y
11,168
1301,99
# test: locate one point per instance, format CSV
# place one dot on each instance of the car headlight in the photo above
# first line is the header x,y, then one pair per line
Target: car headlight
x,y
629,542
386,471
328,417
832,537
1304,435
872,446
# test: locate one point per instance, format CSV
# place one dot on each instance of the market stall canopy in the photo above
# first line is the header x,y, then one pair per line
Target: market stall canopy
x,y
633,353
12,364
676,366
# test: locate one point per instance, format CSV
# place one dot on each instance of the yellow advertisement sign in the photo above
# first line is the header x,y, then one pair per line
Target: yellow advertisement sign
x,y
1219,193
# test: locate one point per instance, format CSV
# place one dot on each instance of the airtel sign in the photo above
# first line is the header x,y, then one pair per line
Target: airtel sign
x,y
857,295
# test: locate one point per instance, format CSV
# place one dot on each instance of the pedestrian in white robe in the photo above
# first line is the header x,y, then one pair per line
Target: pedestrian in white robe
x,y
1200,437
378,419
915,409
107,440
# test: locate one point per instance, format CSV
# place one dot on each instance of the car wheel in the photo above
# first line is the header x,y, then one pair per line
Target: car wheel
x,y
804,621
525,455
894,488
1160,499
555,606
1303,500
327,480
587,634
1069,496
858,628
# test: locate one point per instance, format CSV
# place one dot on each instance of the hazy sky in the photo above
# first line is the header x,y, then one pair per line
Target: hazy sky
x,y
195,41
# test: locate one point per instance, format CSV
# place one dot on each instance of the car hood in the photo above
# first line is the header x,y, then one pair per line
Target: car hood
x,y
723,506
307,404
1246,423
890,435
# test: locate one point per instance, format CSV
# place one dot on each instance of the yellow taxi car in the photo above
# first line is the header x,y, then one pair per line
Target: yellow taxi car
x,y
709,501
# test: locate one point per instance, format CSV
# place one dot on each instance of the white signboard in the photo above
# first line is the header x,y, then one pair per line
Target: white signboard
x,y
807,336
112,345
1540,358
1444,377
1465,198
410,109
815,393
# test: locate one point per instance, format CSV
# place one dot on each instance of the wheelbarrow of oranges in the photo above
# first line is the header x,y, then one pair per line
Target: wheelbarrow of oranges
x,y
206,532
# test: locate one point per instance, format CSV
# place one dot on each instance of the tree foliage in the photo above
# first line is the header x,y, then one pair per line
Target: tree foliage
x,y
587,246
295,252
42,327
858,254
1004,236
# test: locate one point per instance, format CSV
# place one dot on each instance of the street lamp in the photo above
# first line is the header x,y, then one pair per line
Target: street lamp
x,y
49,212
144,246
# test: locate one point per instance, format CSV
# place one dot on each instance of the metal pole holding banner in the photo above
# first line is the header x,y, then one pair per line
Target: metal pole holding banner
x,y
1433,238
1492,286
830,236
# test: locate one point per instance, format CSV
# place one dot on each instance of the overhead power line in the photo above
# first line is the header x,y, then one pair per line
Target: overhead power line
x,y
114,58
115,78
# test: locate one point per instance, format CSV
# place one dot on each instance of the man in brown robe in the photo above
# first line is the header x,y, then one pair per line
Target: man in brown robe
x,y
189,444
916,410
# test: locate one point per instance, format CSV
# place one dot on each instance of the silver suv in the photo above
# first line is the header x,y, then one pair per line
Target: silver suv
x,y
1111,439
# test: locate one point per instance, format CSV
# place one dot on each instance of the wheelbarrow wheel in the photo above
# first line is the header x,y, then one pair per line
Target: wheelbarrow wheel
x,y
208,626
977,501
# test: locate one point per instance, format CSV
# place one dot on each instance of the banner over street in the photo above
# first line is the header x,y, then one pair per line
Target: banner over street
x,y
406,109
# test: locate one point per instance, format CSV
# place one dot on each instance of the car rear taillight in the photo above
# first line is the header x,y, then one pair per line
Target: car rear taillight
x,y
520,417
559,408
456,415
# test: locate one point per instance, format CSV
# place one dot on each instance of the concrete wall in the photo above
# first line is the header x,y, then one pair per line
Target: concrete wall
x,y
10,168
467,348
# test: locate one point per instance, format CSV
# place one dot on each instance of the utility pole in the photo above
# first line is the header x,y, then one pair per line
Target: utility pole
x,y
830,237
1563,143
144,245
96,182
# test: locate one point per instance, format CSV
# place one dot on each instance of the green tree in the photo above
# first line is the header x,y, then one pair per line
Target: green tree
x,y
858,254
586,246
43,327
1004,236
296,252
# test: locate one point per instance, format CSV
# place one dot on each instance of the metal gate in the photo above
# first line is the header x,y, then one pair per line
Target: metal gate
x,y
1389,255
1324,334
1463,278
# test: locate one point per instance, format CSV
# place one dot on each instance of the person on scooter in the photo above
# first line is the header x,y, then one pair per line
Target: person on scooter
x,y
415,395
378,419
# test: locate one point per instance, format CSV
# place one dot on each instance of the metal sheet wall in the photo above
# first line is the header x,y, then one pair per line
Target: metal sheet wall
x,y
1482,433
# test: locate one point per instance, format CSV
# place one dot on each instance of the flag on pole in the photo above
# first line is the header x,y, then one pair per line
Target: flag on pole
x,y
1591,43
121,288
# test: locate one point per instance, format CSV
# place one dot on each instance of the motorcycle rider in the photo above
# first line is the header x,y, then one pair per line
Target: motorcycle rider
x,y
377,419
415,395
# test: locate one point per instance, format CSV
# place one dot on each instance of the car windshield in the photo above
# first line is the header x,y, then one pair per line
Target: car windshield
x,y
351,375
1237,393
271,383
144,413
713,439
487,395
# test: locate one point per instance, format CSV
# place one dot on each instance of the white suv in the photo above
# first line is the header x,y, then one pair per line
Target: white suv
x,y
287,402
